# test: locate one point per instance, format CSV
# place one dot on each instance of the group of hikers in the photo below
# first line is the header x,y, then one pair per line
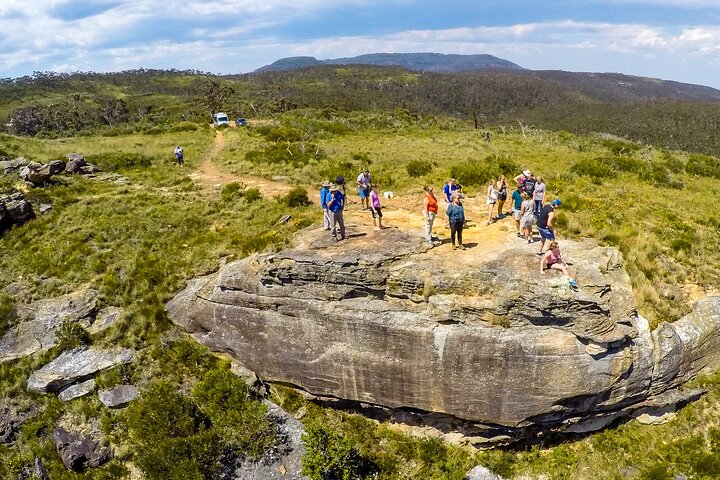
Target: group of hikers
x,y
527,202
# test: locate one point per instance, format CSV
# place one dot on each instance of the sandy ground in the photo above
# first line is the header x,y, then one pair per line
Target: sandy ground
x,y
403,212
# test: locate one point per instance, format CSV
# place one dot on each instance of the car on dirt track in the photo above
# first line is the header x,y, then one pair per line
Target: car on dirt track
x,y
220,119
240,122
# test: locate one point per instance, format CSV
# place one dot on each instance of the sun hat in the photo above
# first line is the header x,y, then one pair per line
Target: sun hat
x,y
334,188
326,183
527,173
556,202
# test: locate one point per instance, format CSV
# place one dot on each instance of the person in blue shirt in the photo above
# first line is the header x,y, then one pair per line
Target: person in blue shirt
x,y
517,200
324,197
336,204
449,189
456,218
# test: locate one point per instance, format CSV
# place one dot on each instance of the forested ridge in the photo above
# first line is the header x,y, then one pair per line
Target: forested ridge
x,y
660,113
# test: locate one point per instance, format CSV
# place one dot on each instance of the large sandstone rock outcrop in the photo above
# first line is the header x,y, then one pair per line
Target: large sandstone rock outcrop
x,y
478,338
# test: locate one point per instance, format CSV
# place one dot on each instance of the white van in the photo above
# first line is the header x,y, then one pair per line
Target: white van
x,y
220,119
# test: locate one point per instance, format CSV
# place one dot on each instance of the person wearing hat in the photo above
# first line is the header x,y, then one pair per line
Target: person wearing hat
x,y
545,223
520,179
324,197
335,204
363,182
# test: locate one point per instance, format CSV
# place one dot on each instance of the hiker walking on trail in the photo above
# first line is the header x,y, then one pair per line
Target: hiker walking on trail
x,y
179,155
363,182
430,209
324,197
375,208
456,218
545,223
552,260
336,204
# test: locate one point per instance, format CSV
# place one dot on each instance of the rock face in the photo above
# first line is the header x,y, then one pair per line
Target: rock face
x,y
77,365
119,396
78,452
44,317
14,210
478,339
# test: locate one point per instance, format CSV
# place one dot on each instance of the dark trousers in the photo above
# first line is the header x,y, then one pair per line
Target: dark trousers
x,y
456,228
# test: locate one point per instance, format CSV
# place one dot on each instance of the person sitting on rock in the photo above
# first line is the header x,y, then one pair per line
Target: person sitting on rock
x,y
552,260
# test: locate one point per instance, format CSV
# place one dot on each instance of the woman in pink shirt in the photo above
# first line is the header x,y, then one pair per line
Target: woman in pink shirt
x,y
553,260
376,209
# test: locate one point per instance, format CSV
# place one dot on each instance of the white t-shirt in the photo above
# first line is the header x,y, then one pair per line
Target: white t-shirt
x,y
539,191
364,179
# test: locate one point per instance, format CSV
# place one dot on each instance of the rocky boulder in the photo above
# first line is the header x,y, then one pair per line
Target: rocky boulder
x,y
77,365
14,210
476,341
119,396
77,164
38,332
79,452
10,421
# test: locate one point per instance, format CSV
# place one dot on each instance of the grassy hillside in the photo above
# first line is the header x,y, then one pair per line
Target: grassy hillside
x,y
138,243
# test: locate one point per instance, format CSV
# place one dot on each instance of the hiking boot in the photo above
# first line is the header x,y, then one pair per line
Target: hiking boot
x,y
461,247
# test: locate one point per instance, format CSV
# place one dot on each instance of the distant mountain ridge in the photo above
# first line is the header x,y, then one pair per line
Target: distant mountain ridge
x,y
420,62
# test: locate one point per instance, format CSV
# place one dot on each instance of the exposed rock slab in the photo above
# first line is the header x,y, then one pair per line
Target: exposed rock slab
x,y
38,332
482,338
79,452
76,391
76,365
482,473
10,421
119,396
14,210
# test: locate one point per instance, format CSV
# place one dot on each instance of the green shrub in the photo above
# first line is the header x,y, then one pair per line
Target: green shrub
x,y
252,195
295,154
328,455
241,421
8,314
297,197
419,168
703,165
71,334
230,191
478,173
171,436
185,127
112,161
595,168
620,147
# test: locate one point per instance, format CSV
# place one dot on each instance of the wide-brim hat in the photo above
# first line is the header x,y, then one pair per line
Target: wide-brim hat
x,y
527,173
334,188
326,183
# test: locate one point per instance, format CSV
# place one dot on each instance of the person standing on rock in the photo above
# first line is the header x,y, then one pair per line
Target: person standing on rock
x,y
539,195
375,208
324,197
491,200
545,223
502,193
430,209
517,200
363,182
456,218
336,204
179,155
527,217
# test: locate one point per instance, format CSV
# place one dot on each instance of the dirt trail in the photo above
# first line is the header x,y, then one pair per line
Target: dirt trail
x,y
402,211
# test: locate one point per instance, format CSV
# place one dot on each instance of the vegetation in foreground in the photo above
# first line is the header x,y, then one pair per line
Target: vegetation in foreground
x,y
138,243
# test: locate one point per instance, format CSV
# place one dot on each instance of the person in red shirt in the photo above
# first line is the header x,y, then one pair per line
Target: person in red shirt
x,y
430,209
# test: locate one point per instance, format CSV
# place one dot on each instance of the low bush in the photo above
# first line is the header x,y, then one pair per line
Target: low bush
x,y
419,168
703,165
297,197
478,173
328,455
8,314
112,161
252,195
595,168
71,335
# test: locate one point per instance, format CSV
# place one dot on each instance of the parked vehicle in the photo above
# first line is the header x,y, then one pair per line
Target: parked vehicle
x,y
240,122
220,119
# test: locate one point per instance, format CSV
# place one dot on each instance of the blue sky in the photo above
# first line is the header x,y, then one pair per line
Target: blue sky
x,y
668,39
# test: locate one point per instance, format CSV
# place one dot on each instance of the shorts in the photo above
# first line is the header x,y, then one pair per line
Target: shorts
x,y
527,222
364,193
516,214
376,212
546,234
490,201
